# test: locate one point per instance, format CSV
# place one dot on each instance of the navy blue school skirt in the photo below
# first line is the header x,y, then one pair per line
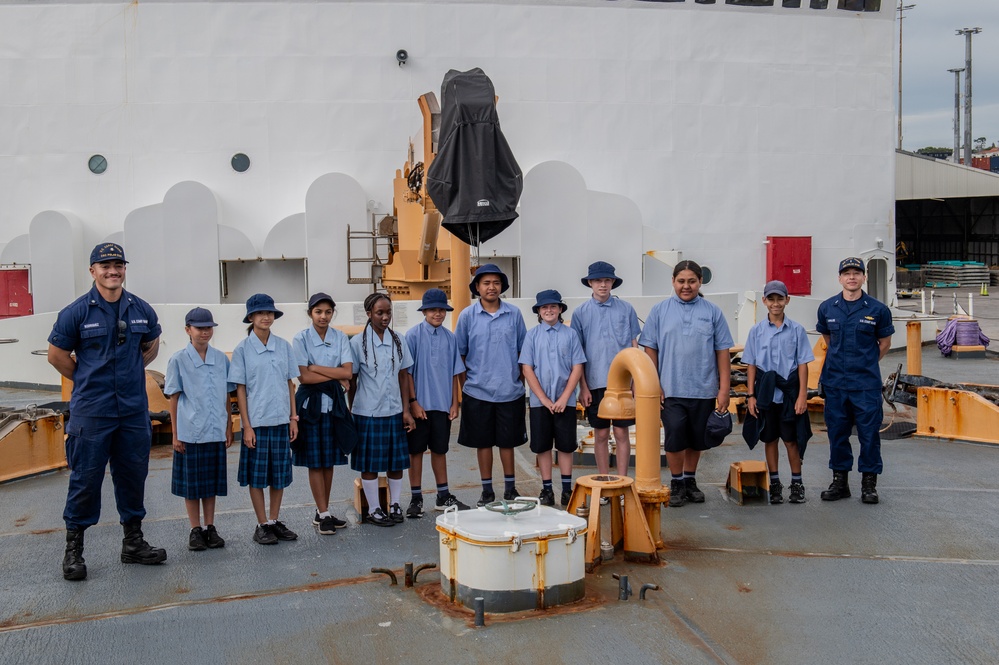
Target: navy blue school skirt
x,y
321,449
199,472
269,464
381,445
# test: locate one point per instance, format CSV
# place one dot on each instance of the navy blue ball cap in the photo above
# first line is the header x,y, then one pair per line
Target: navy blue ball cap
x,y
775,286
317,298
718,427
601,270
434,299
261,302
852,262
107,251
549,297
199,317
488,269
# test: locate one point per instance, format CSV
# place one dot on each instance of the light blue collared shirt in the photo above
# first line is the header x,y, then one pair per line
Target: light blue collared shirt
x,y
436,362
310,349
687,335
378,393
490,345
203,402
779,350
552,352
604,329
265,371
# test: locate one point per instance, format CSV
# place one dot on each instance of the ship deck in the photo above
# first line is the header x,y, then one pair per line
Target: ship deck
x,y
909,580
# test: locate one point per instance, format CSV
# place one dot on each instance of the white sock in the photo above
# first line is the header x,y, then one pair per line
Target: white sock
x,y
395,489
325,514
371,493
272,521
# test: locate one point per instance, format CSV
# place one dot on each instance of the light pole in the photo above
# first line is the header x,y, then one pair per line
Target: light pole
x,y
901,8
967,32
957,113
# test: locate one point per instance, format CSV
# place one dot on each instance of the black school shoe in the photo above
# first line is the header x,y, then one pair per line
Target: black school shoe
x,y
395,513
488,496
264,536
212,538
564,499
547,497
448,500
694,494
196,541
511,495
378,518
337,522
326,526
415,509
796,493
281,532
776,492
677,493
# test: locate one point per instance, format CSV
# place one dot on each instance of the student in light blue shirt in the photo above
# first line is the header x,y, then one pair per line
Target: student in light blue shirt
x,y
199,410
325,364
263,368
688,339
605,325
490,335
779,345
381,386
553,359
434,404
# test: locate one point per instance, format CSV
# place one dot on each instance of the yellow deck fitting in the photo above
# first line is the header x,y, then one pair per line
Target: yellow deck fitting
x,y
31,442
747,481
956,414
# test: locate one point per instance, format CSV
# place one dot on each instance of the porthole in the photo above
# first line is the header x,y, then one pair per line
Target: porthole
x,y
97,164
240,162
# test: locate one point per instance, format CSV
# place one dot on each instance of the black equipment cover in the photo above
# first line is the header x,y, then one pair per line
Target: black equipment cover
x,y
475,180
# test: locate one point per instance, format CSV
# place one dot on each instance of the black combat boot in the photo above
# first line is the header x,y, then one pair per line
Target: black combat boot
x,y
135,549
869,488
73,566
839,489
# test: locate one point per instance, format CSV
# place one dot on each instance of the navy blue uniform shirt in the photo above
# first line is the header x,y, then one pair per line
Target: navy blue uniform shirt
x,y
854,330
110,379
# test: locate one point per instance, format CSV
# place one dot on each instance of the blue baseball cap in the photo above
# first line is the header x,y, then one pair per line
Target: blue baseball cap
x,y
488,269
107,251
549,297
852,262
601,270
199,317
317,298
261,302
775,286
434,299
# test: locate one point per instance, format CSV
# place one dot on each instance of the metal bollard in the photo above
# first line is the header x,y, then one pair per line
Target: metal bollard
x,y
409,574
623,589
647,587
386,571
421,568
480,612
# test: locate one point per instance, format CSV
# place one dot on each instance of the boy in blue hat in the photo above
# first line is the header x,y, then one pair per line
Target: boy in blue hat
x,y
490,335
434,404
605,325
552,360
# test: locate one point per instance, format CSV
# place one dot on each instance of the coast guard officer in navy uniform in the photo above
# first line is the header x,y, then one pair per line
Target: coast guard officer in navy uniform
x,y
113,335
857,330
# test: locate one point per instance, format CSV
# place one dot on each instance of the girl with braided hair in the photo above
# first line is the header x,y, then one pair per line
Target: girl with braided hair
x,y
379,389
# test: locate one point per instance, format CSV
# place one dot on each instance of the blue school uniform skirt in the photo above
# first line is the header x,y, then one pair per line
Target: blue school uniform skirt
x,y
269,464
199,473
381,445
321,449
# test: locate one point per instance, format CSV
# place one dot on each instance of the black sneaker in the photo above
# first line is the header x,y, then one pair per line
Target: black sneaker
x,y
378,518
694,494
448,500
677,493
196,541
796,493
510,495
337,522
212,538
395,513
776,492
281,532
564,499
326,526
547,497
487,496
415,509
263,535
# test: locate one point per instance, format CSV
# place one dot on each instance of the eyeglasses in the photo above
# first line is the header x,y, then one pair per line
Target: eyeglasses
x,y
121,332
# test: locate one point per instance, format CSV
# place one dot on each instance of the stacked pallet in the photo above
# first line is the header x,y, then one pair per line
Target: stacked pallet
x,y
907,279
939,274
994,272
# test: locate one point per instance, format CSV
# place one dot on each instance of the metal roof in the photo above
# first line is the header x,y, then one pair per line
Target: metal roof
x,y
919,177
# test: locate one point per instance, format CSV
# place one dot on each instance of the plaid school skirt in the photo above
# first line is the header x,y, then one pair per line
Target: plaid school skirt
x,y
321,449
269,464
381,445
199,473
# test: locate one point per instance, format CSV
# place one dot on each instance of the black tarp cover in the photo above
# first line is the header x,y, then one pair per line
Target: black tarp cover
x,y
475,180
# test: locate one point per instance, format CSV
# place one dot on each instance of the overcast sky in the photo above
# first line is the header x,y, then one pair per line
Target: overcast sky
x,y
930,48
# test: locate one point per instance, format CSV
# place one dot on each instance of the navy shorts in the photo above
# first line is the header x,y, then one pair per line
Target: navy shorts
x,y
488,424
432,434
601,423
774,427
381,445
684,421
199,472
319,440
549,428
269,464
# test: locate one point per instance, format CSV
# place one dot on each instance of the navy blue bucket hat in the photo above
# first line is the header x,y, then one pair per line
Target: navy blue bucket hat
x,y
199,317
549,297
488,269
434,299
601,270
261,302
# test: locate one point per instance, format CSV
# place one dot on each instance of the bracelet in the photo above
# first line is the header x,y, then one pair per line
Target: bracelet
x,y
294,417
750,396
412,400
